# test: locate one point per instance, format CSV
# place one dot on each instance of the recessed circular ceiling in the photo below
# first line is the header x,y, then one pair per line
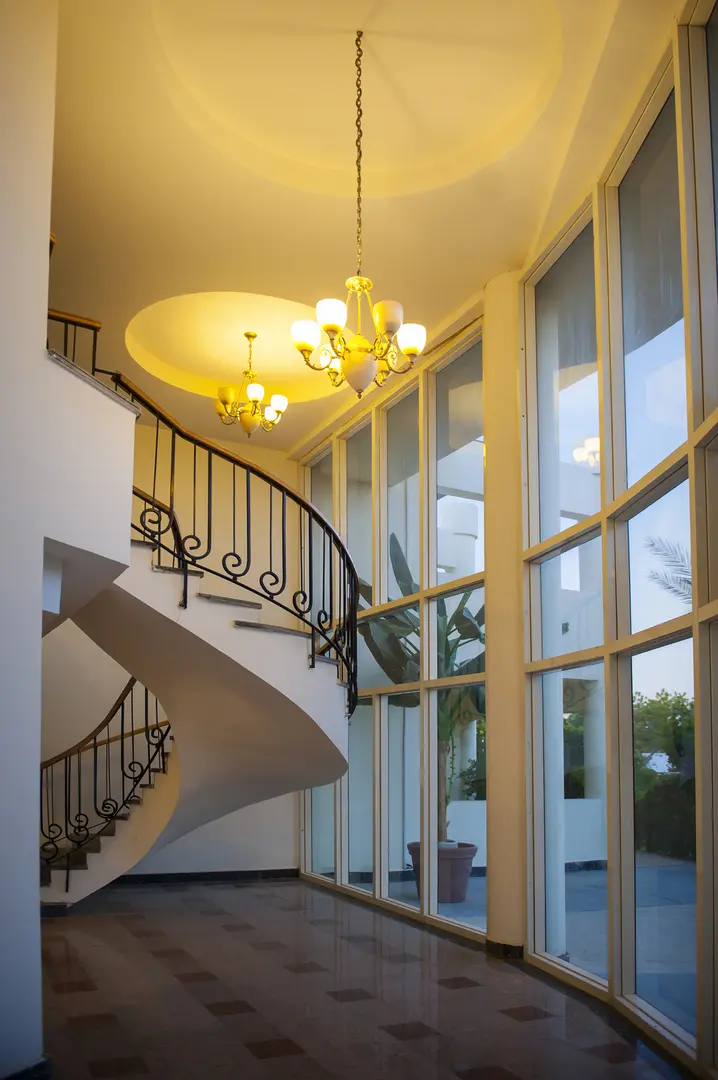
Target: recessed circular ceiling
x,y
448,88
196,342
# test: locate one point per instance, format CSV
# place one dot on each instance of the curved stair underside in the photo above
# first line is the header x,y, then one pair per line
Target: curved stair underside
x,y
250,719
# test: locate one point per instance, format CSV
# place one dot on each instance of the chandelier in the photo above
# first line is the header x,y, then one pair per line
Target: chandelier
x,y
588,452
232,408
346,355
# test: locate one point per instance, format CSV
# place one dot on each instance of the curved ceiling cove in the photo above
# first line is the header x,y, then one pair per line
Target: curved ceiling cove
x,y
272,87
196,342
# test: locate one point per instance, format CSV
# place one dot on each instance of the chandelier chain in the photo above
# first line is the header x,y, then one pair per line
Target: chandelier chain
x,y
357,63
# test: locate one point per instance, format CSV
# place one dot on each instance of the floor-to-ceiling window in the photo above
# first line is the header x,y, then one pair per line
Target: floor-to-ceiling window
x,y
621,494
410,484
621,590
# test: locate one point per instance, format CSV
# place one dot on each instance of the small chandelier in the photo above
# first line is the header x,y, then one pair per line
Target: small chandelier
x,y
351,356
589,452
251,414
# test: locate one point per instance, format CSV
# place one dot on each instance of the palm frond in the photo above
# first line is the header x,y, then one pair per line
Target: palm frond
x,y
672,554
673,583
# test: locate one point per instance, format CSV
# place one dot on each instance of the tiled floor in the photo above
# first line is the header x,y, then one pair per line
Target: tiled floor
x,y
284,981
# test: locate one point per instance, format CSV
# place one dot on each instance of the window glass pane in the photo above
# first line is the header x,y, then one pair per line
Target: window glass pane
x,y
461,804
389,648
403,496
322,808
320,485
359,509
574,768
712,49
571,602
665,831
567,373
460,633
361,797
659,554
403,795
460,467
653,340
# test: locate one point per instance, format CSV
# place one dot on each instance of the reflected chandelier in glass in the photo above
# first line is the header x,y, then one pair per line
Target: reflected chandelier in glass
x,y
348,356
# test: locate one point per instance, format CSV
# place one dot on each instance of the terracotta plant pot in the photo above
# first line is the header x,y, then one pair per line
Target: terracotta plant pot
x,y
455,862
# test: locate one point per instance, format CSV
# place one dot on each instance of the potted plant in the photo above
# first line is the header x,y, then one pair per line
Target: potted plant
x,y
393,641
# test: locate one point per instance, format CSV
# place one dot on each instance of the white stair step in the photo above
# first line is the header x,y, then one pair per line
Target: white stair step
x,y
272,629
215,598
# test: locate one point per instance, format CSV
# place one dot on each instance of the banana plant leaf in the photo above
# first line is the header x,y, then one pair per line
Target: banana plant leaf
x,y
400,566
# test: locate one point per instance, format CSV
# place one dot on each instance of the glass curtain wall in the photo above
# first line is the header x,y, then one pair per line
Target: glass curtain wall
x,y
411,695
612,660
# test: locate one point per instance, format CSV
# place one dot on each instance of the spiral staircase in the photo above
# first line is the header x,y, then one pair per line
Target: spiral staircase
x,y
236,625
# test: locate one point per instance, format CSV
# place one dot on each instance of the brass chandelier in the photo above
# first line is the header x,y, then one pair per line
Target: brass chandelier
x,y
250,413
351,356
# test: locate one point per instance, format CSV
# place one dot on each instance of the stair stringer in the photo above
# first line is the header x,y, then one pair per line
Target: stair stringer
x,y
250,719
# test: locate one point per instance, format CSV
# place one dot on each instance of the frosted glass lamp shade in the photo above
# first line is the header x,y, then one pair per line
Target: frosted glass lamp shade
x,y
270,414
388,316
411,339
332,315
220,407
306,335
255,392
227,395
279,403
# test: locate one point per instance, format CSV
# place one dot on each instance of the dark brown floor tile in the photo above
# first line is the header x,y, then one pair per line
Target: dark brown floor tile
x,y
92,1022
229,1008
196,977
487,1072
292,907
268,946
359,939
345,996
305,967
124,1066
213,911
616,1053
134,917
526,1012
274,1048
77,986
412,1029
54,939
402,958
458,982
323,922
141,932
237,927
170,954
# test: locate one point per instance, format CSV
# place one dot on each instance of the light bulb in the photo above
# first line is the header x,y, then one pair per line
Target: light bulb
x,y
306,335
331,315
388,316
279,403
255,392
411,339
271,414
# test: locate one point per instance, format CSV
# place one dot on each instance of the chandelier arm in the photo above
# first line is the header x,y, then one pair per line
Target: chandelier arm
x,y
359,144
392,356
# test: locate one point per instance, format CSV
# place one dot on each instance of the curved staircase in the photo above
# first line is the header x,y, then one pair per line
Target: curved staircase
x,y
237,620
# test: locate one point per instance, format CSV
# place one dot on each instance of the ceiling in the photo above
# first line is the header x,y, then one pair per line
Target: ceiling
x,y
209,149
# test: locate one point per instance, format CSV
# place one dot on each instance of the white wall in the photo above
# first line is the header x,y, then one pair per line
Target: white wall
x,y
260,837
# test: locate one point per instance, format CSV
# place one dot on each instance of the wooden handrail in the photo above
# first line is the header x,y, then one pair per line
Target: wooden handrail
x,y
88,738
129,734
73,320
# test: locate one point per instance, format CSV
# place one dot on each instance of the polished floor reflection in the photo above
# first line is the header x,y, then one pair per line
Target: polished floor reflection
x,y
283,980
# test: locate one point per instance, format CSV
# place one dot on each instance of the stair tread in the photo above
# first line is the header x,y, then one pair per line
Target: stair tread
x,y
272,629
253,605
143,543
178,570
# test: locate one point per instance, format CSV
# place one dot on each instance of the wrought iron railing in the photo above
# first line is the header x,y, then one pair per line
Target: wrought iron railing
x,y
204,507
86,788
